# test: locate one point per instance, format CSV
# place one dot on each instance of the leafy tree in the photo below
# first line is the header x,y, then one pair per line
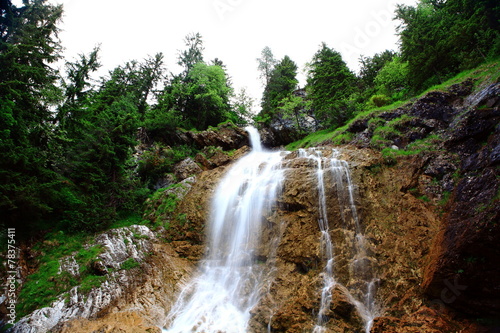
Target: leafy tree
x,y
291,108
392,79
242,106
281,84
199,100
330,84
28,45
77,90
371,66
97,152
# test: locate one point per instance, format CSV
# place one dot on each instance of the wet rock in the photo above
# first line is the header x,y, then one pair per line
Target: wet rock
x,y
475,124
440,166
341,305
460,274
488,97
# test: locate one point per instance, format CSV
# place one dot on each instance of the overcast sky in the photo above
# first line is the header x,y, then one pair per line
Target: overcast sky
x,y
234,31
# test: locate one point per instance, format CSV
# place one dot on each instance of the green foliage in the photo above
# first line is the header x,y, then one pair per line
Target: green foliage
x,y
159,160
392,78
130,263
162,204
282,83
292,108
194,53
379,100
330,83
457,35
371,66
242,108
199,99
28,183
46,283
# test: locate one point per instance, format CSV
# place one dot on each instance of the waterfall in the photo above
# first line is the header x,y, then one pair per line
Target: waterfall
x,y
233,276
363,297
231,280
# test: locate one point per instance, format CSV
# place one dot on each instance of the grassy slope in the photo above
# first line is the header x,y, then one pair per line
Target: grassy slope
x,y
485,74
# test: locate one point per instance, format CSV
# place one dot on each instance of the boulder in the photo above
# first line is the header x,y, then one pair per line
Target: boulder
x,y
186,168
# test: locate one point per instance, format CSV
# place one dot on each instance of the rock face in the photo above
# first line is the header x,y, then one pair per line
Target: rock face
x,y
147,289
227,136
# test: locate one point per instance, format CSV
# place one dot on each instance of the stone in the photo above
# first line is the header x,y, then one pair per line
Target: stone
x,y
186,168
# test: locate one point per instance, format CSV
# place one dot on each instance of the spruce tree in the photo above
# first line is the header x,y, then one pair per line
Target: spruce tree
x,y
329,85
28,45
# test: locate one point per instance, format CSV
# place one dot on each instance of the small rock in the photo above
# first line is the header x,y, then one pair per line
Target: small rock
x,y
186,168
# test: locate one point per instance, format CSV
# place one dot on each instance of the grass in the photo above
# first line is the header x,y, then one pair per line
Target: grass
x,y
46,283
485,74
44,286
129,264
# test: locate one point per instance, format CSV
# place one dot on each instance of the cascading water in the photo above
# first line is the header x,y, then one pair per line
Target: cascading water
x,y
231,280
363,296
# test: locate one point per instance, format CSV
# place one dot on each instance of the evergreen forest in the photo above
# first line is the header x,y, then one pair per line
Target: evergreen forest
x,y
67,142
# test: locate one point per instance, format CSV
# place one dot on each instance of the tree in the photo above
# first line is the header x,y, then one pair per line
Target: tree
x,y
282,83
441,38
329,84
392,78
77,90
242,106
371,66
28,45
266,65
199,100
194,53
97,149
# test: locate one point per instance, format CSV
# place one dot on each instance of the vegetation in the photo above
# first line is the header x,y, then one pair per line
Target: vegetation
x,y
42,287
67,141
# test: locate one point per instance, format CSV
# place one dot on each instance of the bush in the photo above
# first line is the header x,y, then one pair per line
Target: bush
x,y
379,100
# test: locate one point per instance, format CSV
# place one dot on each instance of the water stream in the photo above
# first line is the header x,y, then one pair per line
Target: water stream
x,y
231,279
363,296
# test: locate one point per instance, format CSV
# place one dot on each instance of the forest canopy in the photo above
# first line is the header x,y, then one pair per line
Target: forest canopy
x,y
67,142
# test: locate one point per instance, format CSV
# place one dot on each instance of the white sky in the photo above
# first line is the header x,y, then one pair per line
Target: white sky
x,y
234,31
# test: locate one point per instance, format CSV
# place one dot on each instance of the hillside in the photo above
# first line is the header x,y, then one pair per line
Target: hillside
x,y
427,191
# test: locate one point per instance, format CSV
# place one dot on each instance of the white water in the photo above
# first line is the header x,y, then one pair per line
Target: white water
x,y
230,281
363,299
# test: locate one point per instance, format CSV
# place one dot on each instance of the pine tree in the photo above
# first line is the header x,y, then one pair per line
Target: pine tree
x,y
28,45
282,82
330,83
